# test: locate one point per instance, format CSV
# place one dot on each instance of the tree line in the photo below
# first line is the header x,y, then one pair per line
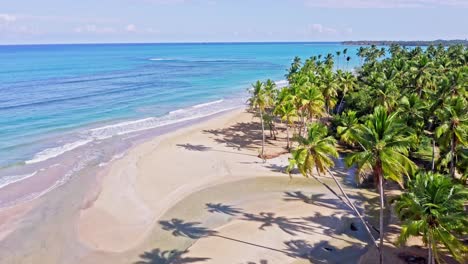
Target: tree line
x,y
402,116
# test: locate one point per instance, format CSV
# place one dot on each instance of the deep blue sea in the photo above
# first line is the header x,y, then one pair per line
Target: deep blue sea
x,y
56,98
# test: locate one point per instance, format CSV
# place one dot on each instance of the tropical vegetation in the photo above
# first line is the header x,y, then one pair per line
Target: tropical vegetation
x,y
401,117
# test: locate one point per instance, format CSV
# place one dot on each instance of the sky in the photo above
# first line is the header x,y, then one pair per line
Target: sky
x,y
132,21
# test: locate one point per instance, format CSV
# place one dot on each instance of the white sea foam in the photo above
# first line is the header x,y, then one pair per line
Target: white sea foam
x,y
178,111
282,83
148,123
115,157
127,127
54,152
209,103
9,179
159,59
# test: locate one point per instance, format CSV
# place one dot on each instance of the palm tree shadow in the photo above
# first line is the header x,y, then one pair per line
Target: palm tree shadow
x,y
277,168
238,136
262,261
223,208
194,231
202,148
322,252
192,147
186,229
291,226
315,199
157,256
332,225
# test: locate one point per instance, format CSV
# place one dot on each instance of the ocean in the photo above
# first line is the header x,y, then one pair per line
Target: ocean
x,y
59,102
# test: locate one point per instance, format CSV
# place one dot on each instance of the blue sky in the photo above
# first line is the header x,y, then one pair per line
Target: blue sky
x,y
98,21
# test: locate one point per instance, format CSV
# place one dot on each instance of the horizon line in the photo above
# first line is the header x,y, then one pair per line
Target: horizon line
x,y
223,42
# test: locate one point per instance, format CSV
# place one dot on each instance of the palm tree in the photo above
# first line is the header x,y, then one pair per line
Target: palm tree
x,y
412,109
385,143
347,82
259,102
271,94
453,129
316,152
347,62
433,208
295,66
311,101
329,87
287,111
421,74
347,124
338,55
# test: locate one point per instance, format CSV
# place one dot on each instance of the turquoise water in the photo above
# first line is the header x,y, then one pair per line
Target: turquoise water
x,y
55,98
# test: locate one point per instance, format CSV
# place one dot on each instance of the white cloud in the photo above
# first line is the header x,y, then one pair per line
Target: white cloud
x,y
130,28
7,18
386,3
91,28
152,31
323,29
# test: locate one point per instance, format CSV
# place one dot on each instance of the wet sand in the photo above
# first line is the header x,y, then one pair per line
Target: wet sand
x,y
200,191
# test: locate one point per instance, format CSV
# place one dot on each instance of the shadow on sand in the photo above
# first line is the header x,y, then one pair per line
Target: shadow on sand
x,y
334,226
203,148
157,256
238,136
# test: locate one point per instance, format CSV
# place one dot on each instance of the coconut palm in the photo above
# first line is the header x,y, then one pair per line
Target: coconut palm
x,y
385,142
412,110
295,67
348,122
453,129
287,111
329,87
316,151
338,55
433,208
311,101
347,82
258,101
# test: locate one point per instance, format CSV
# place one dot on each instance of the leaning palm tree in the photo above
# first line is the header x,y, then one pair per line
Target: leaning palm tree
x,y
453,130
385,142
258,101
316,151
433,208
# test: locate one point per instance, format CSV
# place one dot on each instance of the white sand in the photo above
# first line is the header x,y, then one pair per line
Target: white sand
x,y
174,176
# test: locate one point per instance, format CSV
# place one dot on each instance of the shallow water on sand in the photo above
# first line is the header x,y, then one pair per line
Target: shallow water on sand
x,y
60,102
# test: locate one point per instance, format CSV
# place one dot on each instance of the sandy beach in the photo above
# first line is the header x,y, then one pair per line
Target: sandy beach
x,y
198,194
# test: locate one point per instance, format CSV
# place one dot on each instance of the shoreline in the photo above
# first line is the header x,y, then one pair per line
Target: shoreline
x,y
55,171
114,214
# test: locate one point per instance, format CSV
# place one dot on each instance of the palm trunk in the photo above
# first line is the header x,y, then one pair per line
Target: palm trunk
x,y
381,220
287,137
452,160
431,255
338,110
429,252
433,155
263,136
353,208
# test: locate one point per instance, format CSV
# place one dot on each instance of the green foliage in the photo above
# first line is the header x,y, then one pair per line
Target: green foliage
x,y
433,208
347,124
315,151
384,142
401,105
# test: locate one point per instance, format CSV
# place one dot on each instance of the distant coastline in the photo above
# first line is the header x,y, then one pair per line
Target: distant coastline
x,y
407,43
